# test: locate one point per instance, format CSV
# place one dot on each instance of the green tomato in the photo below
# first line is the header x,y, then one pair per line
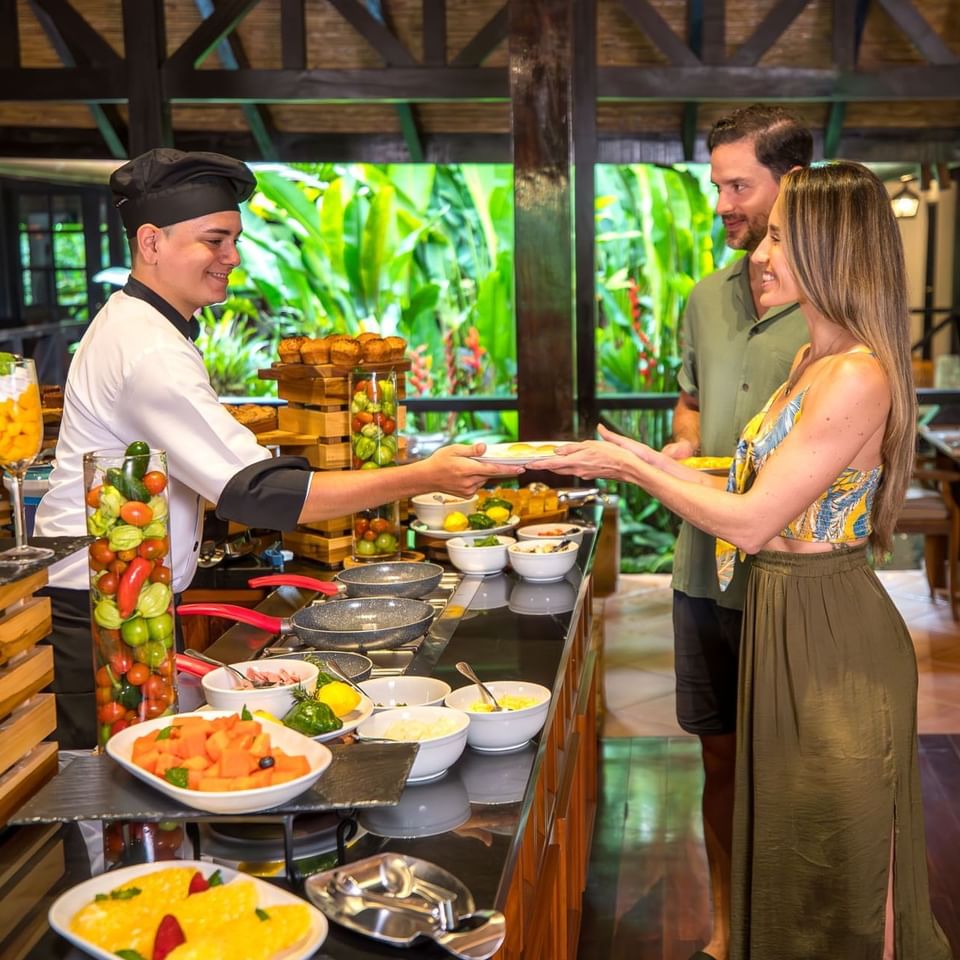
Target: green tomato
x,y
383,456
386,543
152,653
160,628
366,548
135,632
370,465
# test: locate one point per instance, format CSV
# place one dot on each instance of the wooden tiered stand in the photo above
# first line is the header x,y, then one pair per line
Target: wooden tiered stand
x,y
315,424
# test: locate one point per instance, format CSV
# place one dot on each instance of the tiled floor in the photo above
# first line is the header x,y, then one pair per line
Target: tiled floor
x,y
639,655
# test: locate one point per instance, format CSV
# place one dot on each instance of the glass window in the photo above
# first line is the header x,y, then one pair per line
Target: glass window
x,y
71,287
67,211
69,250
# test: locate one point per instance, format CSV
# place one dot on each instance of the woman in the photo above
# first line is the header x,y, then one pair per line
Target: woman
x,y
829,858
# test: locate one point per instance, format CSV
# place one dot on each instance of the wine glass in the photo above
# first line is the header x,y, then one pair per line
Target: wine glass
x,y
21,437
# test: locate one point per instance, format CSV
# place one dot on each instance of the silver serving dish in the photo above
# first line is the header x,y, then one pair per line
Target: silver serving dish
x,y
358,897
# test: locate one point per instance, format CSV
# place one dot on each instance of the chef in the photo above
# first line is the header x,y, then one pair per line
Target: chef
x,y
138,376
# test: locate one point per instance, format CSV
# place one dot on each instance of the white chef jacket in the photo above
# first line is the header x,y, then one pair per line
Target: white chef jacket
x,y
136,376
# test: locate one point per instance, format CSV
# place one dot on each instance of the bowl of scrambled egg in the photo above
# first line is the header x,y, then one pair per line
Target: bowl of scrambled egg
x,y
524,711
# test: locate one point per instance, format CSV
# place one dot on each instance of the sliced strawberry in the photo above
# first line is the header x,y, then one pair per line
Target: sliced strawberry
x,y
169,936
198,883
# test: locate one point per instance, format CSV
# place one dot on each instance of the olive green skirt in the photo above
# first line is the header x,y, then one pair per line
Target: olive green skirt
x,y
827,772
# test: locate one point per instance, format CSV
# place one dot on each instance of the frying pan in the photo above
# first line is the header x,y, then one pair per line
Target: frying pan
x,y
365,623
404,578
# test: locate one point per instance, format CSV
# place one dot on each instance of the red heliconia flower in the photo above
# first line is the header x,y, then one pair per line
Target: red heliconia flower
x,y
421,375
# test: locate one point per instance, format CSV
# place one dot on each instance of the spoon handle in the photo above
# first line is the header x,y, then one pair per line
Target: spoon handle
x,y
469,673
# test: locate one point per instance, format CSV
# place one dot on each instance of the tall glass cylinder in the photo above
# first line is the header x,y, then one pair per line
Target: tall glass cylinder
x,y
374,446
131,599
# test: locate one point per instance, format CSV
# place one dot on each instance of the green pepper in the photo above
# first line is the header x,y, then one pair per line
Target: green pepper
x,y
129,695
106,614
497,502
363,447
156,530
129,486
360,402
111,500
370,430
137,459
386,390
311,718
125,537
152,653
178,776
154,600
390,441
480,521
491,541
98,525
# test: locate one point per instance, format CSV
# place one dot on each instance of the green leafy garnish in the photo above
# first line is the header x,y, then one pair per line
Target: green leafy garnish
x,y
165,733
127,893
129,955
178,776
245,714
7,361
262,914
99,897
215,879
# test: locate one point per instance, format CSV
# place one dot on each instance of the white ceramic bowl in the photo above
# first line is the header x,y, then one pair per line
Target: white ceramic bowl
x,y
543,599
424,810
432,512
409,691
551,531
542,567
120,748
508,729
480,560
435,755
223,694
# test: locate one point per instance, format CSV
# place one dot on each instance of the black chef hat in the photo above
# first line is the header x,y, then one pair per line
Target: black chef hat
x,y
166,186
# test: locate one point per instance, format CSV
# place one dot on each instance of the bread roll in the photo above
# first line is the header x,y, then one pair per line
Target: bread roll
x,y
396,348
315,351
345,353
290,349
366,335
375,350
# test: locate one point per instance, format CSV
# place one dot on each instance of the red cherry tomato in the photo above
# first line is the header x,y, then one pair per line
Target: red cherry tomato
x,y
138,673
108,584
389,425
103,677
360,526
93,496
165,668
100,552
160,574
152,708
104,695
136,513
379,525
369,535
119,725
120,663
127,555
156,688
118,566
153,549
154,481
110,712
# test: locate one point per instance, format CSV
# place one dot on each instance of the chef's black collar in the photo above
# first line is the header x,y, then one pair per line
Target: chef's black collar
x,y
136,288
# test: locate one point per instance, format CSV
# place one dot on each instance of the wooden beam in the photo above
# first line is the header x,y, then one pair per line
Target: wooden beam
x,y
84,42
584,82
849,18
713,44
540,69
234,57
919,32
771,28
659,33
434,28
491,35
79,51
201,43
375,32
293,34
9,33
144,39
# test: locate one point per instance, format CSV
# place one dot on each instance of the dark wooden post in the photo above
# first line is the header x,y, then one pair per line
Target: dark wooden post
x,y
144,40
540,70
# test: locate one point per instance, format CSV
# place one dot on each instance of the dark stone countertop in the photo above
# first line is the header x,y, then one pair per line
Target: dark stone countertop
x,y
470,821
61,546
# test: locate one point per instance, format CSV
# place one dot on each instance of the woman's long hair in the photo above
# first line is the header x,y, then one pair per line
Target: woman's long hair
x,y
843,245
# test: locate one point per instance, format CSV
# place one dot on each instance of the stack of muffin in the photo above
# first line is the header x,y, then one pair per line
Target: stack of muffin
x,y
342,350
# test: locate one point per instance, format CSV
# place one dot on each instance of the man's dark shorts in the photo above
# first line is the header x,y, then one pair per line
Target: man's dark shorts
x,y
706,646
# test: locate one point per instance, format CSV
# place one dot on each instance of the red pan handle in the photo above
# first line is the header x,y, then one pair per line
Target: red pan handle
x,y
233,612
196,668
295,580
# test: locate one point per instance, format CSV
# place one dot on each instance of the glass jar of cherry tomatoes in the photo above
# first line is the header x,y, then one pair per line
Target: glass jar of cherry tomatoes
x,y
131,599
374,445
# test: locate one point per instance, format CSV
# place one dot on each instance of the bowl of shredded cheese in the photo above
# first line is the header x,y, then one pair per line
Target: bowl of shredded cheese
x,y
524,710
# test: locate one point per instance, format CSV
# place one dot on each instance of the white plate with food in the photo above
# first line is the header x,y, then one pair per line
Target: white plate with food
x,y
418,526
350,721
96,915
521,452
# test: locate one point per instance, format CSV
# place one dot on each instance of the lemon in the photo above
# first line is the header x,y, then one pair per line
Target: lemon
x,y
266,715
339,697
455,521
498,514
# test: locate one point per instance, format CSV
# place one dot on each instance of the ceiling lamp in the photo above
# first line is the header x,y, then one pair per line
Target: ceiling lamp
x,y
905,202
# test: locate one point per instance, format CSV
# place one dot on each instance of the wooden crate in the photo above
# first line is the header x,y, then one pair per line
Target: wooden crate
x,y
21,628
24,676
315,371
31,863
316,546
324,424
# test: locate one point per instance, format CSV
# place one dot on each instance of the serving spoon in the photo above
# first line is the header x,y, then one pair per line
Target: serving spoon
x,y
467,671
245,682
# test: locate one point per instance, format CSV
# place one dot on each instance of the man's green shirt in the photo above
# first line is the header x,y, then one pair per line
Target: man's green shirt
x,y
732,363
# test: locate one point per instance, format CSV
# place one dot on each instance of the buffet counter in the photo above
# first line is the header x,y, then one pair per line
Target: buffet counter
x,y
515,828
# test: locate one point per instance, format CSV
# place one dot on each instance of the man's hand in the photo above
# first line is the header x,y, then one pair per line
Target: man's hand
x,y
454,472
679,450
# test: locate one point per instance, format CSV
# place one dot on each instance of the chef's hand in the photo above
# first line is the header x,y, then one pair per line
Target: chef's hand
x,y
452,470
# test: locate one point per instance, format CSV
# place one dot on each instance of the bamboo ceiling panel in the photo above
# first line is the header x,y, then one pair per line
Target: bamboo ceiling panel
x,y
464,117
626,116
918,113
61,115
621,43
465,19
217,117
332,44
335,118
884,43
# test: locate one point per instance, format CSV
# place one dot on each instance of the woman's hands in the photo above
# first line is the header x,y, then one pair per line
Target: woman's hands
x,y
610,458
451,470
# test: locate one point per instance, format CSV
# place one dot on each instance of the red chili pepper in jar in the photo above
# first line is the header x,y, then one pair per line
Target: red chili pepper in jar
x,y
130,583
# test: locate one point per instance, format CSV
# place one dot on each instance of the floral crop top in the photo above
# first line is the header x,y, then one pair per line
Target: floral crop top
x,y
841,514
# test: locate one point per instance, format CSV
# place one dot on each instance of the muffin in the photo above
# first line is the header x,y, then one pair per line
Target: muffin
x,y
396,348
290,349
315,351
366,335
375,350
345,353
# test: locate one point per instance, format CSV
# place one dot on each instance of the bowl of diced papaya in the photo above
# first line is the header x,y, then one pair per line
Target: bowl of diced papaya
x,y
220,761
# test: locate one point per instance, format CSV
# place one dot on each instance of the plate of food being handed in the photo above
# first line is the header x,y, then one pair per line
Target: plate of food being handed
x,y
521,452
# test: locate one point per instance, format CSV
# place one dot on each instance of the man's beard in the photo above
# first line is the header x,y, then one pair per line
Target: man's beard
x,y
750,238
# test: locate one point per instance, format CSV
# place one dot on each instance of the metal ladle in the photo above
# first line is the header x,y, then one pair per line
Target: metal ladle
x,y
400,881
467,671
347,884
